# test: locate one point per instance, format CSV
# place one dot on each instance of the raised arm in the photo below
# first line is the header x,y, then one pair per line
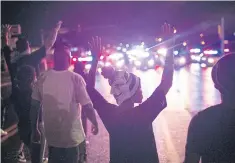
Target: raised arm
x,y
5,35
50,40
96,49
167,75
38,55
157,101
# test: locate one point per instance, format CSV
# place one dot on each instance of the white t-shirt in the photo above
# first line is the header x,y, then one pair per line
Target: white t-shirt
x,y
62,93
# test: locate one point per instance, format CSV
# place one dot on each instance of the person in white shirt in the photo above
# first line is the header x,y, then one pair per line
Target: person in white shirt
x,y
61,94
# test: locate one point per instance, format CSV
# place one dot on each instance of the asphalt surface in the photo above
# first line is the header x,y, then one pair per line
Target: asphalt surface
x,y
191,92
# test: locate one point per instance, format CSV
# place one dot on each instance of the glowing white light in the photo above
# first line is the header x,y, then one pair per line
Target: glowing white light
x,y
101,57
99,70
226,50
151,62
74,59
203,65
124,49
211,60
87,59
88,66
74,49
127,45
107,64
176,52
162,51
147,49
137,63
145,54
195,50
182,60
88,52
159,39
211,52
116,56
120,63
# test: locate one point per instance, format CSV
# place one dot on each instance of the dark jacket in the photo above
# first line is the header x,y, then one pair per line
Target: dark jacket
x,y
130,130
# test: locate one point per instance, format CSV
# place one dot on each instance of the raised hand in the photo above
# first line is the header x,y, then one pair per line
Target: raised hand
x,y
95,46
5,33
49,42
167,75
6,28
167,32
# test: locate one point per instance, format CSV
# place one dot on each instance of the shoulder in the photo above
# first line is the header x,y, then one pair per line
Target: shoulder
x,y
209,112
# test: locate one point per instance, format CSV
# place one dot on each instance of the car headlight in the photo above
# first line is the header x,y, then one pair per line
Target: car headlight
x,y
211,60
137,63
88,66
150,62
120,63
182,60
107,64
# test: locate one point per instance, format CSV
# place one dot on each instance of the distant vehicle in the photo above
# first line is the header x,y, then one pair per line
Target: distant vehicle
x,y
210,57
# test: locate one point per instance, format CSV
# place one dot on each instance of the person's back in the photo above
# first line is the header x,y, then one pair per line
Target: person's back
x,y
211,133
61,111
215,130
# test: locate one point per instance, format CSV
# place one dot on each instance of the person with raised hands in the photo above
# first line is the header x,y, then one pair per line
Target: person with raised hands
x,y
23,56
130,128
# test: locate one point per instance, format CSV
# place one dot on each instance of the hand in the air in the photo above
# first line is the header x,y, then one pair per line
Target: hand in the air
x,y
58,26
6,28
94,129
168,34
95,46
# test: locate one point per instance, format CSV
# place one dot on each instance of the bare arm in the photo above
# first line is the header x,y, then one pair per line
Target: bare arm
x,y
5,35
167,75
96,49
90,113
49,42
92,72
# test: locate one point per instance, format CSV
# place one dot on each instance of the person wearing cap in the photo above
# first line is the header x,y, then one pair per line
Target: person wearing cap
x,y
130,128
211,133
119,82
62,93
16,59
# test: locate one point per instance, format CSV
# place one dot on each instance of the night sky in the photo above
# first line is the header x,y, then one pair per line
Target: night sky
x,y
115,18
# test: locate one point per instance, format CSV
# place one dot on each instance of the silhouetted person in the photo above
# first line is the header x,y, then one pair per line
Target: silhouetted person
x,y
211,133
130,128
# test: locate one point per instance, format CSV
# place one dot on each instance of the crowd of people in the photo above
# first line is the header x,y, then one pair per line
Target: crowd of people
x,y
52,106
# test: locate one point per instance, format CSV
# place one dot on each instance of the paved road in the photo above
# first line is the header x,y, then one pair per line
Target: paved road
x,y
192,91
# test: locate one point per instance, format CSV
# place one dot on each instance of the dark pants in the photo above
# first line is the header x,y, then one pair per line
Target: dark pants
x,y
66,155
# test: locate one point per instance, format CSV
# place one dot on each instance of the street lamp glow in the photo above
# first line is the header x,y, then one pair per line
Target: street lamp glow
x,y
175,30
203,43
184,43
159,39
